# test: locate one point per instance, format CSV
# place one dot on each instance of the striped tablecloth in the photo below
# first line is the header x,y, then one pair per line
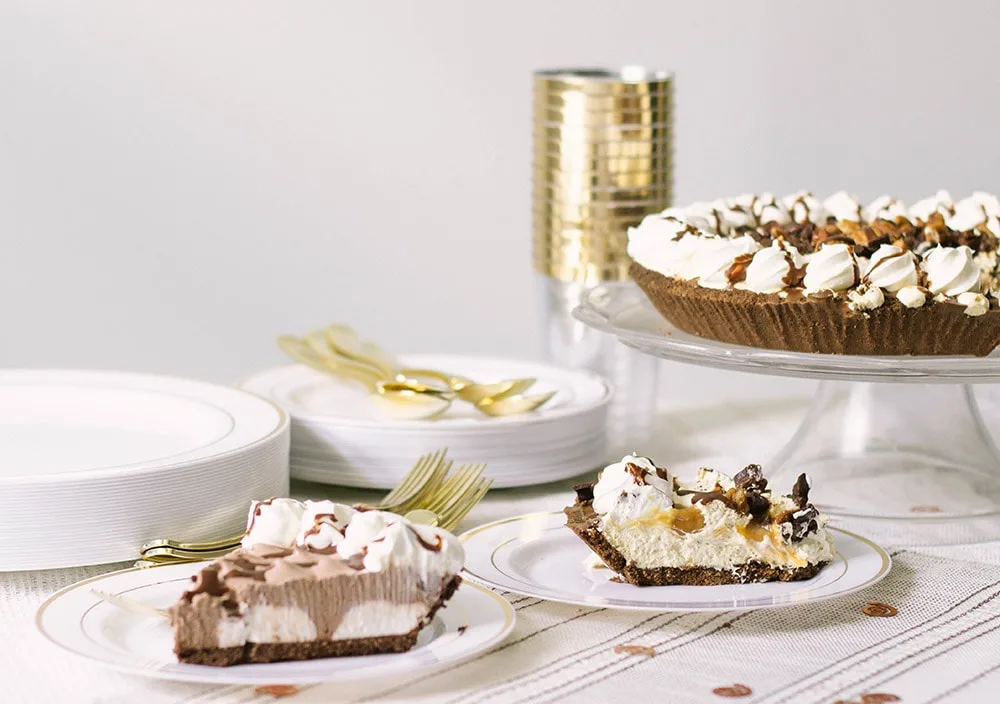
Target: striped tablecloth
x,y
942,645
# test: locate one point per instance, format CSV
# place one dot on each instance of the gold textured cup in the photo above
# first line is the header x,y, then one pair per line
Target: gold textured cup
x,y
602,143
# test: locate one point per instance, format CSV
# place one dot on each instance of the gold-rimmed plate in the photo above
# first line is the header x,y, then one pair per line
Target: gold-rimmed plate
x,y
75,619
537,555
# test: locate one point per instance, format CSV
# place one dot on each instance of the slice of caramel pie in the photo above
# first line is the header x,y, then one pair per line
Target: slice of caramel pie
x,y
316,579
653,530
798,274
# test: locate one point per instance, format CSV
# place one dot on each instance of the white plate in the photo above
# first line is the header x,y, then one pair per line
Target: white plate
x,y
93,464
57,425
474,620
537,555
338,437
320,398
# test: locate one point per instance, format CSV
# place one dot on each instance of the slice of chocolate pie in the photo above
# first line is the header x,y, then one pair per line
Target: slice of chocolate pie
x,y
316,579
654,530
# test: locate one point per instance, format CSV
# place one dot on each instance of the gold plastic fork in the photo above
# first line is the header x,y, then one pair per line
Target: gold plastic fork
x,y
423,480
458,495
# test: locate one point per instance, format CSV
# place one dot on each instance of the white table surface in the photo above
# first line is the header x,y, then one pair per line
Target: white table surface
x,y
944,644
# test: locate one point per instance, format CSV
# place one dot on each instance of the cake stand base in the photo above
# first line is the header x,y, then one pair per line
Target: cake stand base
x,y
916,454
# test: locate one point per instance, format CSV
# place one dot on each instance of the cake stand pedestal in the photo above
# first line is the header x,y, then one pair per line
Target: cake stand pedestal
x,y
895,445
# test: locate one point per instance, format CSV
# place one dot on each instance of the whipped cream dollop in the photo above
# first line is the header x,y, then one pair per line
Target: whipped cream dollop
x,y
382,539
712,262
803,207
911,296
770,267
951,270
273,522
892,268
867,296
323,524
885,208
940,202
378,539
632,486
975,304
832,268
843,206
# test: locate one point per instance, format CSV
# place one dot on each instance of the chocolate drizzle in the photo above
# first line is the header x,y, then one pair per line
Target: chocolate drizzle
x,y
738,270
256,512
436,546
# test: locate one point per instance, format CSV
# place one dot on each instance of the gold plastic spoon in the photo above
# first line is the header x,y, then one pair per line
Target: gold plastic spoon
x,y
409,401
512,405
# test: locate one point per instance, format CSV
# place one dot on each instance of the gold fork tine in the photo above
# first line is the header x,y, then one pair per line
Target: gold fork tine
x,y
430,487
462,480
462,507
414,479
440,499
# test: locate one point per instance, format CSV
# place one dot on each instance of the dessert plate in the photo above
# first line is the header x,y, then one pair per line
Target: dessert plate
x,y
95,463
474,620
537,555
340,437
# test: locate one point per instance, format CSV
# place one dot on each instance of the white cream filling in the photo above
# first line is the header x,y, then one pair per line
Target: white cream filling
x,y
278,624
231,632
378,618
649,542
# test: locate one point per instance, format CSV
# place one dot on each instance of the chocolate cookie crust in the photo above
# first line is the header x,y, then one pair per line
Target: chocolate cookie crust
x,y
818,323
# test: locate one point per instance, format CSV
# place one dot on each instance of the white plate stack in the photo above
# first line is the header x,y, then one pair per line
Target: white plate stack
x,y
94,464
340,437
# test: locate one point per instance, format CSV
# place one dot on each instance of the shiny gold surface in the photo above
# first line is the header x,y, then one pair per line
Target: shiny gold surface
x,y
602,145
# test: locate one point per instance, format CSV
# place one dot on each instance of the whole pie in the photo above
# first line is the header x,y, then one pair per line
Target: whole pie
x,y
654,530
831,276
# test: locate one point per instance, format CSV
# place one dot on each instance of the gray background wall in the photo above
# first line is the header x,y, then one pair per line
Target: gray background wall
x,y
180,182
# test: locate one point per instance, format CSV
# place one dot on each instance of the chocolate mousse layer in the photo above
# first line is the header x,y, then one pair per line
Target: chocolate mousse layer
x,y
270,603
818,323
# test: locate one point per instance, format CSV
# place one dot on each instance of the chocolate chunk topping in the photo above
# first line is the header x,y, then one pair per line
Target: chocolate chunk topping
x,y
584,492
758,505
661,472
798,524
356,562
750,477
800,491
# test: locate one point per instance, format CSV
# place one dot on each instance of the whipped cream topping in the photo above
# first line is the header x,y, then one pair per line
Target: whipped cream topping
x,y
732,244
770,268
635,484
940,202
323,524
975,303
892,268
273,522
951,270
911,296
832,268
843,206
377,539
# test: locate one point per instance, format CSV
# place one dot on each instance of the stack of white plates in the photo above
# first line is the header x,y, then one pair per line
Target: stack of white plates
x,y
340,437
94,464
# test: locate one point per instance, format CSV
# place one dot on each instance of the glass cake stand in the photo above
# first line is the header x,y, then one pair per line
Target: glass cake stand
x,y
896,444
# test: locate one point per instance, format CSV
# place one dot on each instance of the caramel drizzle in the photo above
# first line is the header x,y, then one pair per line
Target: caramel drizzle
x,y
879,263
795,274
319,520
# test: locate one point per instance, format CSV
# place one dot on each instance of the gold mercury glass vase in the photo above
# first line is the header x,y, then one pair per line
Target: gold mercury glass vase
x,y
602,159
